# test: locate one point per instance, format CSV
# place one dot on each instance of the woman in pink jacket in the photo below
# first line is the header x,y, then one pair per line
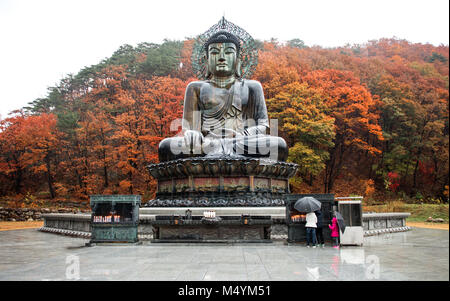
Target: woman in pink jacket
x,y
334,232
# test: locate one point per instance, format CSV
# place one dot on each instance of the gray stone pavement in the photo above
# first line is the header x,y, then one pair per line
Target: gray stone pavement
x,y
419,254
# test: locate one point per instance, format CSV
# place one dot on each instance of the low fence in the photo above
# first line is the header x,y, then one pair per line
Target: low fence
x,y
78,225
378,223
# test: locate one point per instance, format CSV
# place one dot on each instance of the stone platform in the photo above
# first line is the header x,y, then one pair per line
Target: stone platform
x,y
221,182
228,229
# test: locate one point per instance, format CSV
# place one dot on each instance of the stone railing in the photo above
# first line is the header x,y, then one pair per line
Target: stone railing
x,y
68,224
378,223
79,224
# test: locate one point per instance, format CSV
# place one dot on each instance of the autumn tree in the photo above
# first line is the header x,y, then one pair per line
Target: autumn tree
x,y
304,123
356,121
12,168
274,71
34,147
128,119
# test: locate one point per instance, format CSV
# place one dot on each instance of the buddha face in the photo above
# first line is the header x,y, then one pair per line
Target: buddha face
x,y
222,59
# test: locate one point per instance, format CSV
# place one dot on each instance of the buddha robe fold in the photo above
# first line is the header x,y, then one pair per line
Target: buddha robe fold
x,y
233,122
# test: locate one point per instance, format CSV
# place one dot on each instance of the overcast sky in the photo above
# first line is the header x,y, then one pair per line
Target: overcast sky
x,y
41,41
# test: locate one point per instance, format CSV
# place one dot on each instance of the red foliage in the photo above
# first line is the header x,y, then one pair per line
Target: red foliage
x,y
394,180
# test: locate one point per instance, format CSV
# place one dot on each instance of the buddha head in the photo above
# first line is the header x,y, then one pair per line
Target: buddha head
x,y
222,51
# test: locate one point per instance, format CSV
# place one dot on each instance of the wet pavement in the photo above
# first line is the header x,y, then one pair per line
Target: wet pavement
x,y
419,254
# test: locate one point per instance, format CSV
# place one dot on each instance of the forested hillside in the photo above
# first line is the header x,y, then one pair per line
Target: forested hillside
x,y
368,119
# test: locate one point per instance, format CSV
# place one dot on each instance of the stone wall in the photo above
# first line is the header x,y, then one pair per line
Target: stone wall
x,y
224,232
30,214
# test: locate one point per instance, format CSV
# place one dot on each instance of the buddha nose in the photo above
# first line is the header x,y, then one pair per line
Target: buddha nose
x,y
222,55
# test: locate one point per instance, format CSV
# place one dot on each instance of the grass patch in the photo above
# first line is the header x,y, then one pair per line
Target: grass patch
x,y
419,212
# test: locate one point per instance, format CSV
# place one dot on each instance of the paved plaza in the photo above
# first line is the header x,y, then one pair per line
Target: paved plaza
x,y
419,254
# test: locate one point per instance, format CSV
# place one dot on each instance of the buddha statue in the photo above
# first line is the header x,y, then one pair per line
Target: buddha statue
x,y
224,114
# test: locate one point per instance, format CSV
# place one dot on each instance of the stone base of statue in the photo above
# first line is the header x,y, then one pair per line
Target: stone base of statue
x,y
221,182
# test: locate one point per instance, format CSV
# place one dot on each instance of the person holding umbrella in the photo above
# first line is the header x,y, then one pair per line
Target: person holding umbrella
x,y
309,204
334,231
319,229
311,225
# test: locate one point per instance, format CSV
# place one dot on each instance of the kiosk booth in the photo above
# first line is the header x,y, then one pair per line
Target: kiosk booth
x,y
115,218
351,210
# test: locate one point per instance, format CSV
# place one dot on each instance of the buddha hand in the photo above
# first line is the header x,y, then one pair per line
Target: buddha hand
x,y
193,138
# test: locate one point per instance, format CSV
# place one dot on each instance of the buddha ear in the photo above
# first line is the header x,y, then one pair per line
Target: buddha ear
x,y
238,68
208,72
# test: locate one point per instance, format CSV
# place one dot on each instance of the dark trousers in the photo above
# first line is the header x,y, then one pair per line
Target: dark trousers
x,y
311,236
335,241
319,235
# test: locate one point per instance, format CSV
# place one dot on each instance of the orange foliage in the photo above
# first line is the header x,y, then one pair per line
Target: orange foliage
x,y
32,143
371,109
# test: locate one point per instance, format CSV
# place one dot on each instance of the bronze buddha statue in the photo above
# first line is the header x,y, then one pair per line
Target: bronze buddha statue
x,y
224,115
